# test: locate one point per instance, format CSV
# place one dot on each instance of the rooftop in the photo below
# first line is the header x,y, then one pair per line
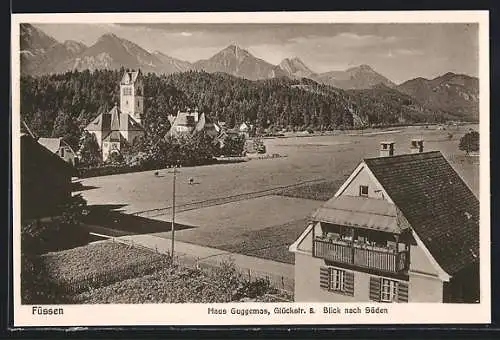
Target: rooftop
x,y
437,203
361,212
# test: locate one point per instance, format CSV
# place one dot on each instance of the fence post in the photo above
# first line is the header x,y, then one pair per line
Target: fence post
x,y
249,277
282,282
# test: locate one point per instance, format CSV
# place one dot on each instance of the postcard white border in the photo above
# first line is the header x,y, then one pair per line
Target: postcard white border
x,y
196,314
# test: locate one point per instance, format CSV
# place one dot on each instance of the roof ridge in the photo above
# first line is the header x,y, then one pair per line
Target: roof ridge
x,y
359,211
403,155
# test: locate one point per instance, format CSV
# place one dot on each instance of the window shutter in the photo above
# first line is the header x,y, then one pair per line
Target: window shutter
x,y
402,292
349,283
375,286
324,277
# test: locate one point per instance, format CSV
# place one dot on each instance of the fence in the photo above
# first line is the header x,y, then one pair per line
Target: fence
x,y
283,285
222,200
279,282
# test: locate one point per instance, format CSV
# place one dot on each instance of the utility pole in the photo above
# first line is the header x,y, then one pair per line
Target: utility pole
x,y
173,213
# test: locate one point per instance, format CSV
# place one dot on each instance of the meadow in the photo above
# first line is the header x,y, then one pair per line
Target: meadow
x,y
265,226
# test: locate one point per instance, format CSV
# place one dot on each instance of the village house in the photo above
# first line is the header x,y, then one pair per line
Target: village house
x,y
60,148
45,180
191,122
121,125
402,228
246,129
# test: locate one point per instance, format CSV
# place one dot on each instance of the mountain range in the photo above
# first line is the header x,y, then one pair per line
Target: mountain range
x,y
456,93
42,54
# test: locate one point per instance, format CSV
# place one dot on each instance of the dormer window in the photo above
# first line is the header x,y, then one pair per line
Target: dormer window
x,y
363,190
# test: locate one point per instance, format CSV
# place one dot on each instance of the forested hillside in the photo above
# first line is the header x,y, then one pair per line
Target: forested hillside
x,y
62,104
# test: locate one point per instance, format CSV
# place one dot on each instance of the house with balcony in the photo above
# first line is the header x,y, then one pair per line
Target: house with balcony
x,y
402,228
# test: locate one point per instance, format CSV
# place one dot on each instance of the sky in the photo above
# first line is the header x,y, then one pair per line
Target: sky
x,y
398,51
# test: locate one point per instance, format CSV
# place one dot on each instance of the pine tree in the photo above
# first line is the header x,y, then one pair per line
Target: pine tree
x,y
90,153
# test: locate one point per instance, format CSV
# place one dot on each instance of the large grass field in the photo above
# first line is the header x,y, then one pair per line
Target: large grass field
x,y
250,226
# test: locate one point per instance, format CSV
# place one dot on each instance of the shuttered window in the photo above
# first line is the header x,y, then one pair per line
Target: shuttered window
x,y
389,290
386,290
337,280
349,283
403,292
375,288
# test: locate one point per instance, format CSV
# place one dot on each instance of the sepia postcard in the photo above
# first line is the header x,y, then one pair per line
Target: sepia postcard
x,y
178,169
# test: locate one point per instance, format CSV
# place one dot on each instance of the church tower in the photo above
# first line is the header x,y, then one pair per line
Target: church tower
x,y
131,94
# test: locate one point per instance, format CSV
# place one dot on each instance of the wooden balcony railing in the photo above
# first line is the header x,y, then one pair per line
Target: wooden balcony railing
x,y
367,257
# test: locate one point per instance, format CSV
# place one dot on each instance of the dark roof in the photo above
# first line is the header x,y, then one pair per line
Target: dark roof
x,y
113,136
129,77
114,120
34,154
437,203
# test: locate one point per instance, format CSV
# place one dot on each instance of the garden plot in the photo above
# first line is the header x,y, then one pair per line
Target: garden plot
x,y
99,264
109,272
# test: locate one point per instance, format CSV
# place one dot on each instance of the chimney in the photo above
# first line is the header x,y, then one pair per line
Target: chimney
x,y
417,145
386,149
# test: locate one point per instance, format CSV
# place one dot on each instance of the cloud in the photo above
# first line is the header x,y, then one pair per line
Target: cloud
x,y
402,52
345,40
409,52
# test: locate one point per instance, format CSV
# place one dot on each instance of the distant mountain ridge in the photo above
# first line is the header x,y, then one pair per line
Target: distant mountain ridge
x,y
239,62
360,77
453,93
42,54
113,52
295,67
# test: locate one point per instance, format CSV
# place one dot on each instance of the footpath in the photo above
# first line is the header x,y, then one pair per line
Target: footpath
x,y
280,274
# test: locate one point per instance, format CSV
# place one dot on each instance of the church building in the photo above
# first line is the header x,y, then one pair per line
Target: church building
x,y
122,124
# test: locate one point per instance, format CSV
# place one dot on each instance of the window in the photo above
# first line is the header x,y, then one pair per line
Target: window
x,y
62,152
337,281
389,290
127,91
363,190
386,290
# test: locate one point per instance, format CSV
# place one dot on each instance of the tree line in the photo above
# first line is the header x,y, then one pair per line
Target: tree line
x,y
61,105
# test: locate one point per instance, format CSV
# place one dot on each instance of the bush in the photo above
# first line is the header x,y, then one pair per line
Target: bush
x,y
115,158
60,232
252,289
36,285
469,142
233,145
111,169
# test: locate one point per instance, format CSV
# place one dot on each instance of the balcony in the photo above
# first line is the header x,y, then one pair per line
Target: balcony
x,y
371,257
